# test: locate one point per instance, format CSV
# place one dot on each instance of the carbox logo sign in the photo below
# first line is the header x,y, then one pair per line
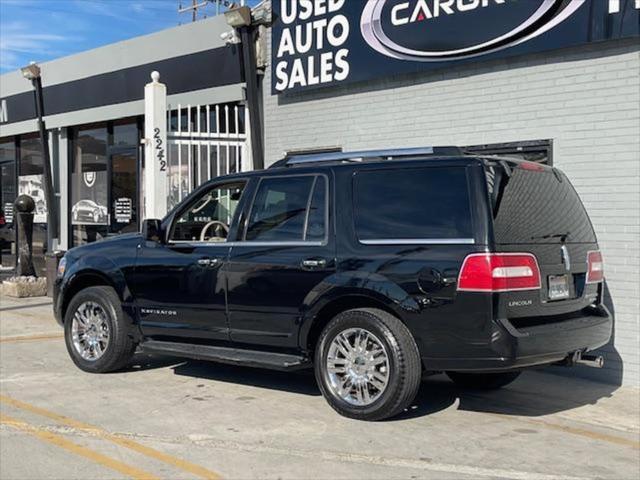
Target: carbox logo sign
x,y
437,30
318,43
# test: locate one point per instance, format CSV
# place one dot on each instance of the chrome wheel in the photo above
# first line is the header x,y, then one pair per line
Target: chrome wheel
x,y
357,367
90,331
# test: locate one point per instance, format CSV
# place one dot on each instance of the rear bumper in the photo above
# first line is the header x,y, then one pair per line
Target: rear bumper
x,y
512,349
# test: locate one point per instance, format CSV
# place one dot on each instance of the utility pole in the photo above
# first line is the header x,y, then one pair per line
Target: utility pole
x,y
197,5
193,8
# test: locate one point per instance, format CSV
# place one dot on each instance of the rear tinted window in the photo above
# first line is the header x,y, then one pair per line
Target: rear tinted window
x,y
536,207
422,203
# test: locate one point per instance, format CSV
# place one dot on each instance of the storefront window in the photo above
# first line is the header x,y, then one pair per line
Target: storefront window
x,y
8,195
125,135
32,176
31,182
124,218
7,187
89,207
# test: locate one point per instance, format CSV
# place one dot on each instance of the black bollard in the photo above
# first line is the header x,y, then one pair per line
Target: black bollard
x,y
24,206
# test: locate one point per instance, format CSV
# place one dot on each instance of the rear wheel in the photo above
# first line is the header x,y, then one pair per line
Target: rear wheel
x,y
96,331
367,364
483,381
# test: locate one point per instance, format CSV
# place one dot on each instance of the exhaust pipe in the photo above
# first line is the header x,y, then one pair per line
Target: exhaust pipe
x,y
577,358
595,361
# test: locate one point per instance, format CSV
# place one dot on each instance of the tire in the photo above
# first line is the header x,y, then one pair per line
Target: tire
x,y
483,381
402,360
119,348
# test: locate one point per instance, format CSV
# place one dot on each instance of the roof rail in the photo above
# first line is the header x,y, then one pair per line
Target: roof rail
x,y
366,154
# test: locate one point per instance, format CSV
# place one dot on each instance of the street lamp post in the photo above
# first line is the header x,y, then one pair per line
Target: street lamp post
x,y
240,18
32,73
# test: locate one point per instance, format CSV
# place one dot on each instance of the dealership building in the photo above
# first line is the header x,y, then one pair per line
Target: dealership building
x,y
556,82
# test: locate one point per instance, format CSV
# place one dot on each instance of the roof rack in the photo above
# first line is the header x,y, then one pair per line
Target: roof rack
x,y
360,156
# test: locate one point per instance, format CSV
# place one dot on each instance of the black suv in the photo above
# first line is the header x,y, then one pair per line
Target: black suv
x,y
374,267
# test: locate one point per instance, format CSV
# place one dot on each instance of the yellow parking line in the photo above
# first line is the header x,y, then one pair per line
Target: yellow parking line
x,y
189,467
30,338
65,444
582,432
586,433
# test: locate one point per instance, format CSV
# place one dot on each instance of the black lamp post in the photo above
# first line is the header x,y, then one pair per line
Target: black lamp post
x,y
32,72
240,18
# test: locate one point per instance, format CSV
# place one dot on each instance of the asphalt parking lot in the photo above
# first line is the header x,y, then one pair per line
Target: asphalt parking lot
x,y
170,418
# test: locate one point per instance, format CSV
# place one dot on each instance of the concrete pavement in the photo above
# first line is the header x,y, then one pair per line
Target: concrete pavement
x,y
170,418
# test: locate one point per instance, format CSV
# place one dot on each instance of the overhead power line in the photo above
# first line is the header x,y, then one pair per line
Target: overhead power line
x,y
203,7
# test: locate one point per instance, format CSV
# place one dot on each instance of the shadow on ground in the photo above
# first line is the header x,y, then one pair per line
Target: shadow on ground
x,y
301,382
535,393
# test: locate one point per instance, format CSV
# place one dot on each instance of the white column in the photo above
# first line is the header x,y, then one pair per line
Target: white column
x,y
155,152
247,157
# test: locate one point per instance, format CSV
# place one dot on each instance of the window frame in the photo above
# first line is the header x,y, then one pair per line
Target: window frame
x,y
416,240
291,243
193,198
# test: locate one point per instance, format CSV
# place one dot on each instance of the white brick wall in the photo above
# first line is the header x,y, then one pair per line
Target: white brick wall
x,y
586,99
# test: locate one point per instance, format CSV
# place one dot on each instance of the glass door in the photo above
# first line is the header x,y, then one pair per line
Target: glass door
x,y
124,192
90,187
104,183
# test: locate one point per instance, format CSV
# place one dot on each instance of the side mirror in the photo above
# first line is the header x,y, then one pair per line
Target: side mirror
x,y
152,231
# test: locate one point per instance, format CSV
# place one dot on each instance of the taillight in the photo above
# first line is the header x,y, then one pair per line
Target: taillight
x,y
595,267
499,272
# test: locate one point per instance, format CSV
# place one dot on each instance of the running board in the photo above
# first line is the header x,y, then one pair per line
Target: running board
x,y
235,356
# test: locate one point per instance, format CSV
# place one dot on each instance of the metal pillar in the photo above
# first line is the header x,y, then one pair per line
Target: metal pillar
x,y
253,95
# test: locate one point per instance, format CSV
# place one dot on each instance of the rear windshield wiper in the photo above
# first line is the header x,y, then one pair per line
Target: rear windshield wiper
x,y
561,236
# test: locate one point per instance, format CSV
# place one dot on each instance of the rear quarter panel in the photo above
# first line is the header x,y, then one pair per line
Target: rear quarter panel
x,y
444,322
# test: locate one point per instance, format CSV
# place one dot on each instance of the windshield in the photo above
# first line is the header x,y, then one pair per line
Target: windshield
x,y
535,205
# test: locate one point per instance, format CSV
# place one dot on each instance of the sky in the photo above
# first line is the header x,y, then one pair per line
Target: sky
x,y
41,30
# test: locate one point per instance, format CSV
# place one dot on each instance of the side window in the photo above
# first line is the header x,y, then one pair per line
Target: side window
x,y
286,209
418,203
208,218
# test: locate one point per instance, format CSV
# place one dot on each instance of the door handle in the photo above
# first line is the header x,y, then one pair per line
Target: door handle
x,y
312,263
208,262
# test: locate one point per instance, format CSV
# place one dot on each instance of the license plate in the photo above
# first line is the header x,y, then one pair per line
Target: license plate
x,y
558,287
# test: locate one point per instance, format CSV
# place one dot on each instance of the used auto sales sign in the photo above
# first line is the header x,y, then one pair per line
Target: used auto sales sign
x,y
326,42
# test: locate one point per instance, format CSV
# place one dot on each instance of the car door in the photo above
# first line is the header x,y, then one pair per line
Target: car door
x,y
286,249
179,285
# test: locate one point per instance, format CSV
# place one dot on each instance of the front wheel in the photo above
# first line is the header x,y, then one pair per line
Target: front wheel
x,y
367,364
96,332
483,381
